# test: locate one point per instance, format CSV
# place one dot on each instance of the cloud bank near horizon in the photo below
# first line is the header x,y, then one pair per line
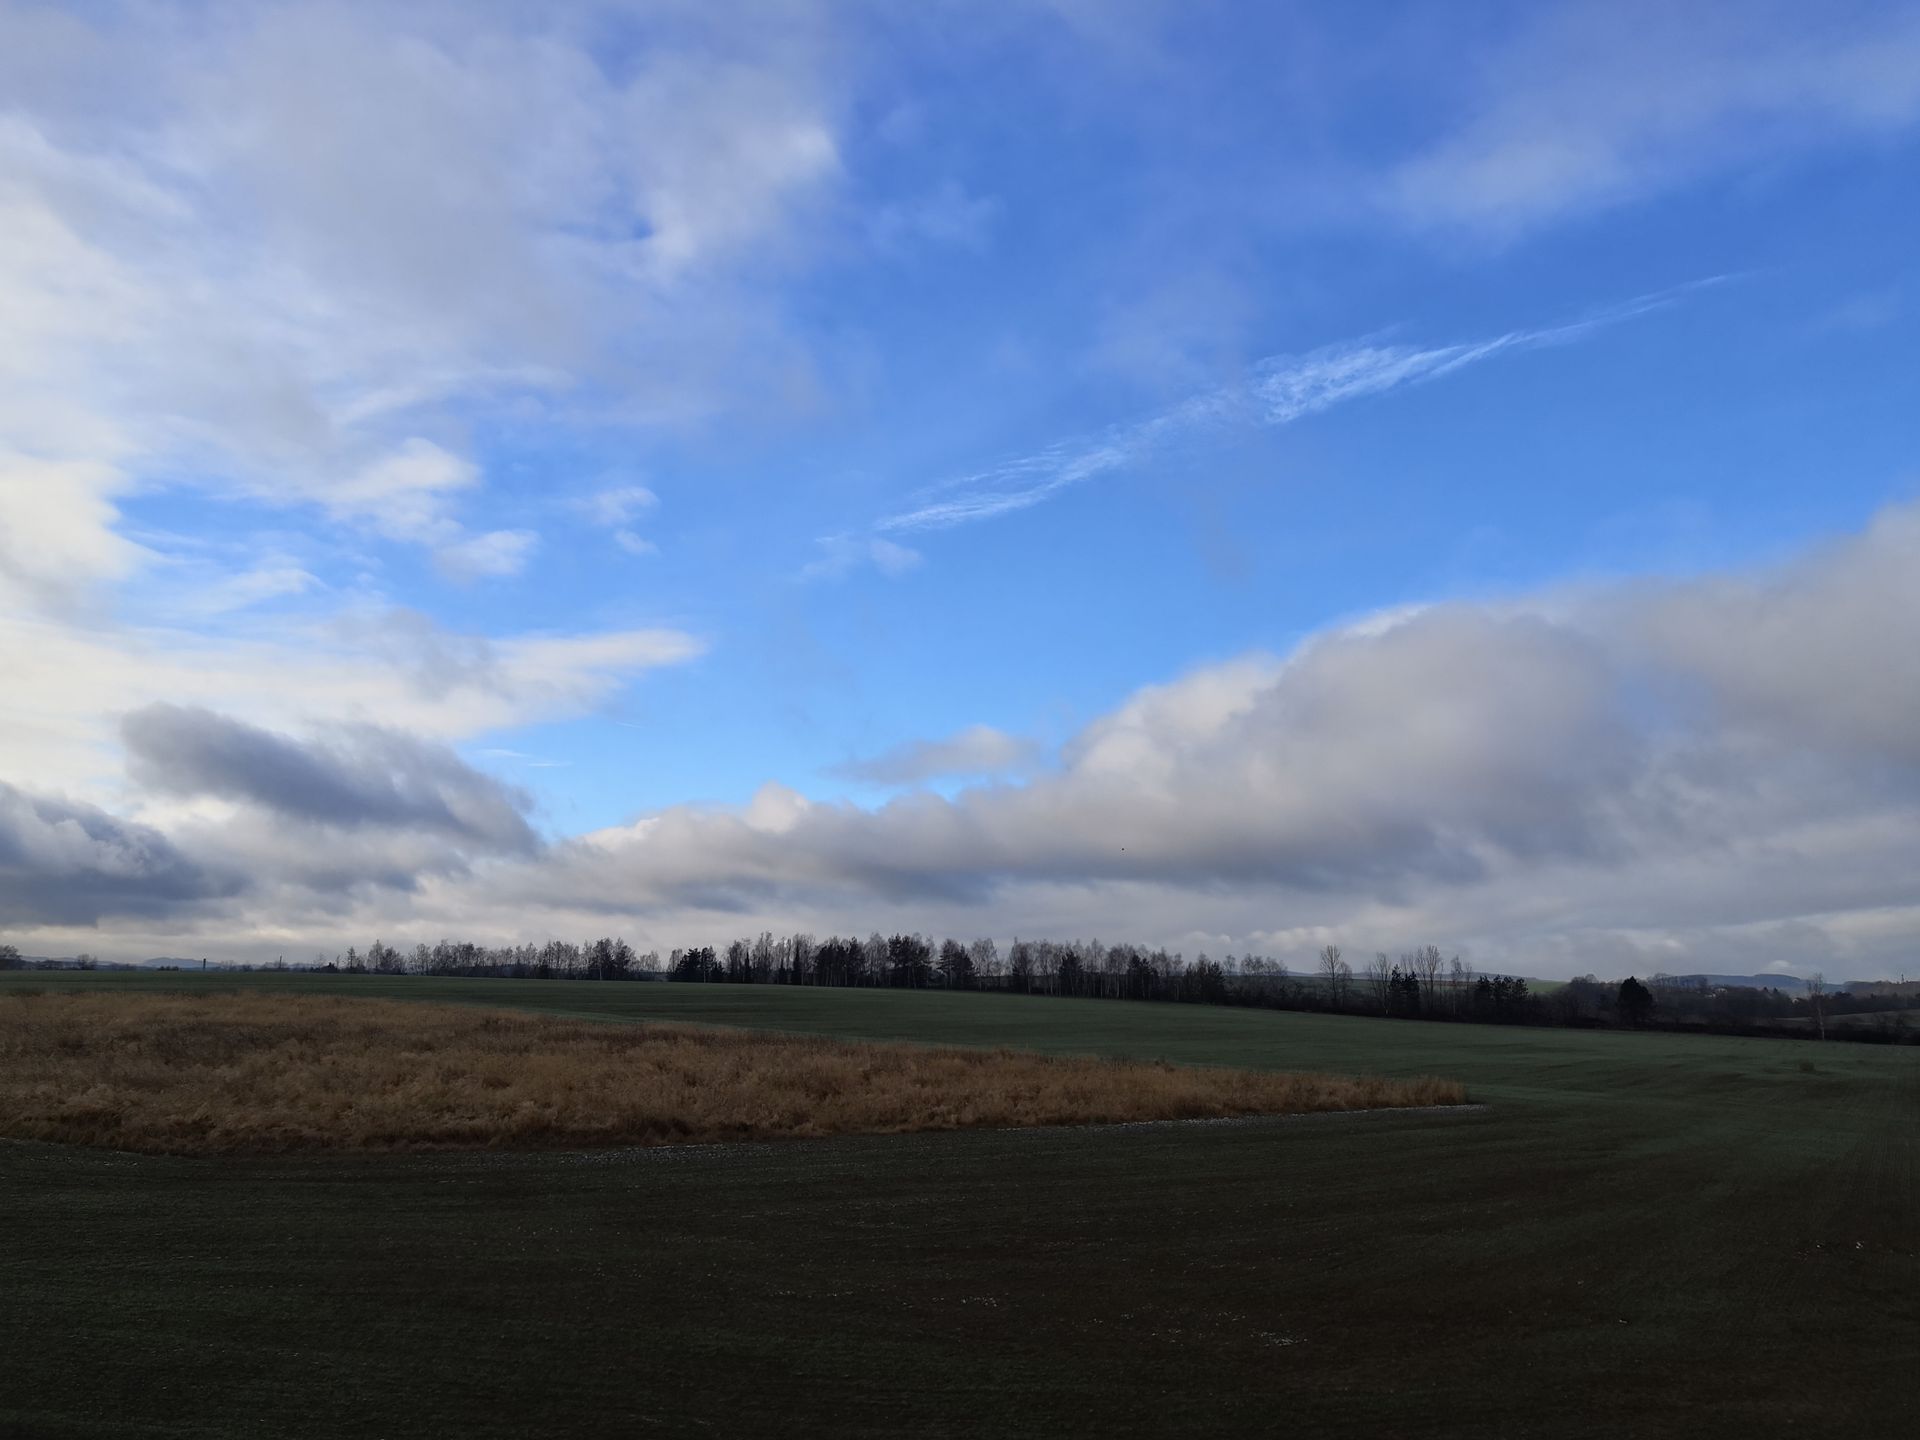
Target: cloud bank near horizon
x,y
1654,773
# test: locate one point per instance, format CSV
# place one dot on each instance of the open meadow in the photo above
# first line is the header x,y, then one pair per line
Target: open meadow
x,y
1639,1235
253,1072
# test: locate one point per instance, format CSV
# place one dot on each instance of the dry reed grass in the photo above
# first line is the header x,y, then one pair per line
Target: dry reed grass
x,y
248,1073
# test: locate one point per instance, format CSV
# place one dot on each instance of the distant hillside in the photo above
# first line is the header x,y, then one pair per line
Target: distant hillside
x,y
72,962
1791,984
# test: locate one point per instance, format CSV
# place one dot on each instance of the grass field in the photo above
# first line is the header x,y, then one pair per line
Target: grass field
x,y
1641,1235
1906,1020
252,1072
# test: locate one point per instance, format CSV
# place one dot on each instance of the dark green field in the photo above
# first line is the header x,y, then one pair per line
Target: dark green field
x,y
1642,1235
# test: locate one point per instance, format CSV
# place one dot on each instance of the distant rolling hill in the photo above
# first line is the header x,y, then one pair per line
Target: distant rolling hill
x,y
156,962
1792,984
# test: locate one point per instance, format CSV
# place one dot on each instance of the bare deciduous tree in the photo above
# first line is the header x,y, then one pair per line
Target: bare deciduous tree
x,y
1459,984
986,958
1379,976
1330,967
1426,963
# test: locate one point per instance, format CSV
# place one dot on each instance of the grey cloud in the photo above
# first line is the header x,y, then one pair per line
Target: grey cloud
x,y
977,750
1650,775
1824,651
1729,755
359,777
299,864
64,863
1438,749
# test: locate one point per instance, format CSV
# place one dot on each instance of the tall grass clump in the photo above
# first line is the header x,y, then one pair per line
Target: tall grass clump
x,y
259,1073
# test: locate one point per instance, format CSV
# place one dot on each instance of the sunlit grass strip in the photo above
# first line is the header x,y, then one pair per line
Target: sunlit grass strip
x,y
244,1073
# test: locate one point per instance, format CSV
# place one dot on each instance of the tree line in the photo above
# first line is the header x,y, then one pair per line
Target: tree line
x,y
608,958
1418,984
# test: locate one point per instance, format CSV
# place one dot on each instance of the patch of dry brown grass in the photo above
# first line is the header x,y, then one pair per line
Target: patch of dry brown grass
x,y
249,1073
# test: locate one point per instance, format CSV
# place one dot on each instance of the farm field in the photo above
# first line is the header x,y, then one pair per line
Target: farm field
x,y
258,1073
1641,1235
1906,1020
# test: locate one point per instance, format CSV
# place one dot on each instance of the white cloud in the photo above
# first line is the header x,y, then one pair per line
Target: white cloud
x,y
1555,783
210,270
1709,774
618,504
1593,105
947,216
892,560
532,762
404,494
57,536
842,554
200,599
68,682
494,555
219,280
615,508
217,277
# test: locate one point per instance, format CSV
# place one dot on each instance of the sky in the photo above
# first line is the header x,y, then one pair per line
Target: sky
x,y
1233,477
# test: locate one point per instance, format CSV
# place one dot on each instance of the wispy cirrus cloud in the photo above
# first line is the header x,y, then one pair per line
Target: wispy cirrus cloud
x,y
615,508
840,555
1278,391
617,505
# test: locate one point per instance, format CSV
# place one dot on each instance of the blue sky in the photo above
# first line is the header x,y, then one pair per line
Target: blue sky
x,y
640,407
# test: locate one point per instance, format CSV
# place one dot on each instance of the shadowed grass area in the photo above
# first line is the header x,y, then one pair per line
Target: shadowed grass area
x,y
253,1072
1646,1235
